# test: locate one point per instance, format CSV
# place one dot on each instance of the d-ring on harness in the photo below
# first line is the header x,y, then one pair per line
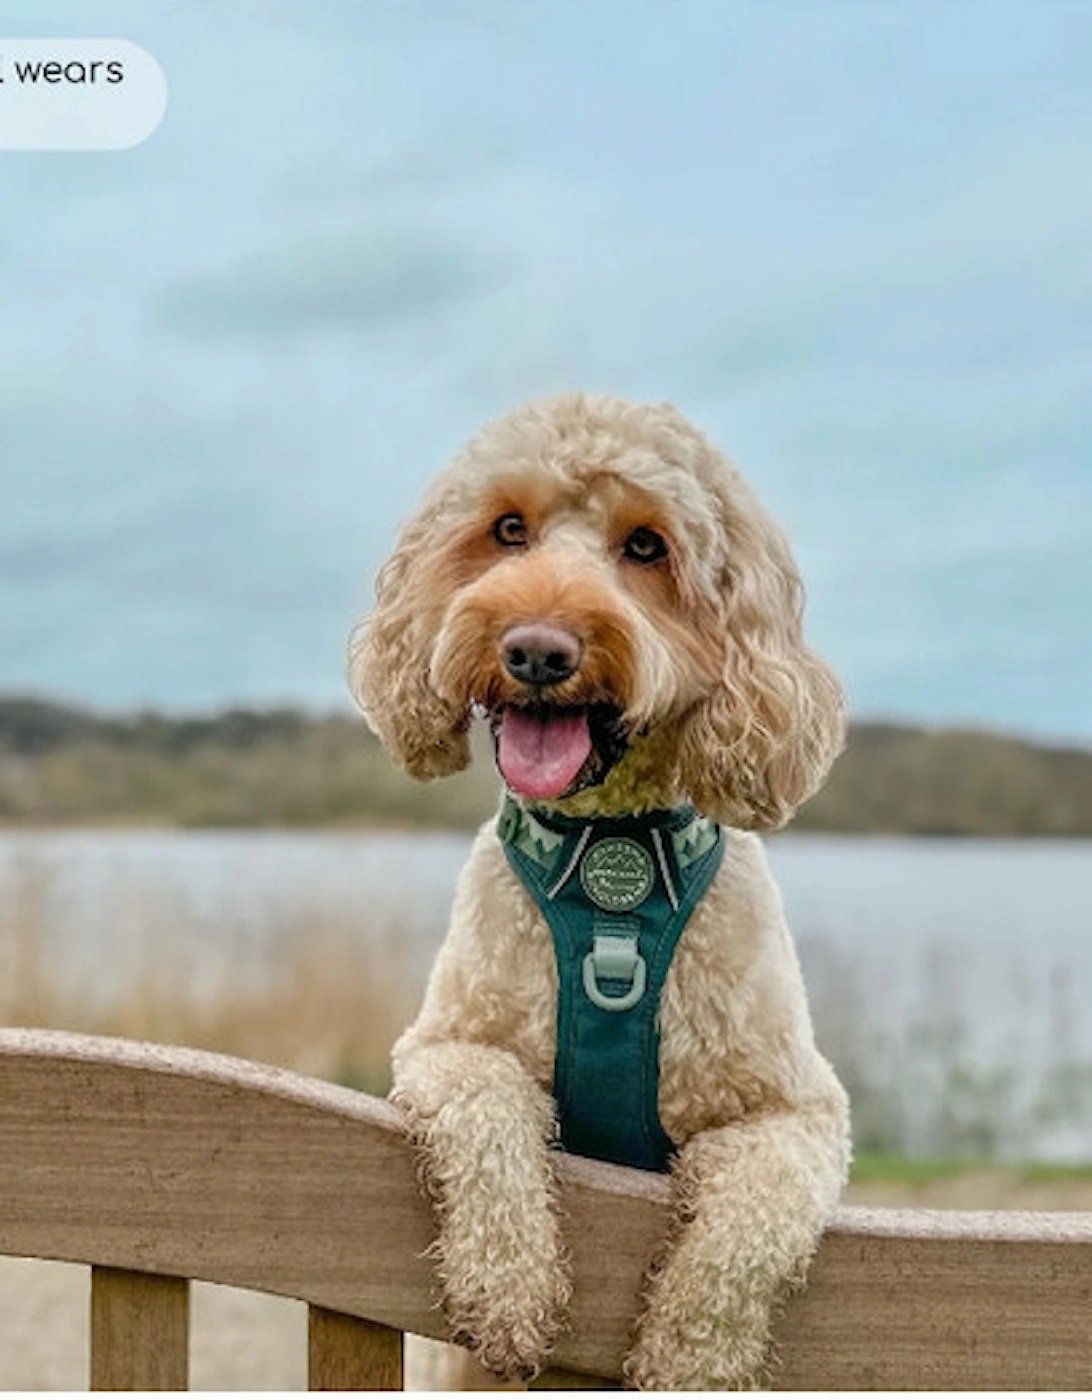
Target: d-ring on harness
x,y
617,894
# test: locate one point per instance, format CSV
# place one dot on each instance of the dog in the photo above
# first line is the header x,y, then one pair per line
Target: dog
x,y
596,580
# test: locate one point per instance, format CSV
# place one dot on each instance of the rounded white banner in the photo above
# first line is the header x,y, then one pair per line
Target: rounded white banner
x,y
78,94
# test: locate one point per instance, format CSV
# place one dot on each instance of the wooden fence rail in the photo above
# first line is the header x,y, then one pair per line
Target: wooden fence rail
x,y
156,1166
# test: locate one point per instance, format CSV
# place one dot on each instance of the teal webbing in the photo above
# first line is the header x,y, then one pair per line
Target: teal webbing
x,y
617,895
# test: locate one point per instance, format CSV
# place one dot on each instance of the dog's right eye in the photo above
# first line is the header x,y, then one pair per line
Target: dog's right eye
x,y
510,530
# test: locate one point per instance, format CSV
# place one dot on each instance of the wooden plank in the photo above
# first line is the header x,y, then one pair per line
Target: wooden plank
x,y
434,1367
141,1157
177,1162
944,1300
139,1331
555,1378
347,1353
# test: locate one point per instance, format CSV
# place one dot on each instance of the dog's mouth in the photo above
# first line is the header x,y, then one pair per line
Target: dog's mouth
x,y
548,752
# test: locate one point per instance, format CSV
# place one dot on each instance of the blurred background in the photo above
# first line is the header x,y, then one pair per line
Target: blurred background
x,y
850,240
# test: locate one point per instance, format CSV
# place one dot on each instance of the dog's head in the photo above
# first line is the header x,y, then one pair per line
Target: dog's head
x,y
601,583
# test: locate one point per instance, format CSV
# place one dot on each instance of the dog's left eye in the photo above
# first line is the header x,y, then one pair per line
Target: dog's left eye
x,y
645,546
510,529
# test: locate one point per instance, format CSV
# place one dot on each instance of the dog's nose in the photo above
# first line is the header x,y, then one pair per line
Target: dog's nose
x,y
538,653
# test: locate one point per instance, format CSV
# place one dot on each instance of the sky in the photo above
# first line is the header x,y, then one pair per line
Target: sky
x,y
852,241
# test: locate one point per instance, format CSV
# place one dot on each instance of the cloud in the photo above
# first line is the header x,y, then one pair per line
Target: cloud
x,y
355,282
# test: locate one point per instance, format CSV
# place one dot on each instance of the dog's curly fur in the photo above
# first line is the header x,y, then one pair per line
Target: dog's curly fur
x,y
700,653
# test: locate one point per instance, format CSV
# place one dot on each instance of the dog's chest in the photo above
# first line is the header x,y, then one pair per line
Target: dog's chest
x,y
616,896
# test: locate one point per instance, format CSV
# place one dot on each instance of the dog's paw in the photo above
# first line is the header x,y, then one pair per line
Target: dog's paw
x,y
506,1287
483,1128
510,1318
703,1329
508,1350
675,1359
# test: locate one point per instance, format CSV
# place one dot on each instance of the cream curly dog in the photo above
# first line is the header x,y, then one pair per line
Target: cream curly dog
x,y
596,579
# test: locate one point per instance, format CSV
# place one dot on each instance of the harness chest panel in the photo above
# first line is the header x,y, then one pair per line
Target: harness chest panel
x,y
616,895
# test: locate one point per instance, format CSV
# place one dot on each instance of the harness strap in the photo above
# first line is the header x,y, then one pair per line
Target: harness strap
x,y
616,895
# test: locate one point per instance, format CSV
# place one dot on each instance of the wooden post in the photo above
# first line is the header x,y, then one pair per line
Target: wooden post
x,y
347,1353
140,1327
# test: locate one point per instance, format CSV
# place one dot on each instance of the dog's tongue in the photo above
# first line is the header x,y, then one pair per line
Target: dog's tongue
x,y
540,756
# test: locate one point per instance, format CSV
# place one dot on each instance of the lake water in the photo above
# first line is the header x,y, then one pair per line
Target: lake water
x,y
923,957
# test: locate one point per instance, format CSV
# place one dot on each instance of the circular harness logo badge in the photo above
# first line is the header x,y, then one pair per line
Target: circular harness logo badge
x,y
617,874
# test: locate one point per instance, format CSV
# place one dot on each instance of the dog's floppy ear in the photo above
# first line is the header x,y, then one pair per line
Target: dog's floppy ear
x,y
389,655
764,739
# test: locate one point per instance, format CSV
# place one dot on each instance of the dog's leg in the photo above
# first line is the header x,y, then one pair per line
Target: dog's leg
x,y
751,1202
483,1127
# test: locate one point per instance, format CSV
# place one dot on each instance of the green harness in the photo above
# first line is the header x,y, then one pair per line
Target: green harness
x,y
617,894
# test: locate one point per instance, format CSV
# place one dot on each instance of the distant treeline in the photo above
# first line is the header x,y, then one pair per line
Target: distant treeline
x,y
282,767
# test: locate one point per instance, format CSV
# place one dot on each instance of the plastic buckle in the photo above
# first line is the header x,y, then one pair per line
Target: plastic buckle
x,y
614,958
